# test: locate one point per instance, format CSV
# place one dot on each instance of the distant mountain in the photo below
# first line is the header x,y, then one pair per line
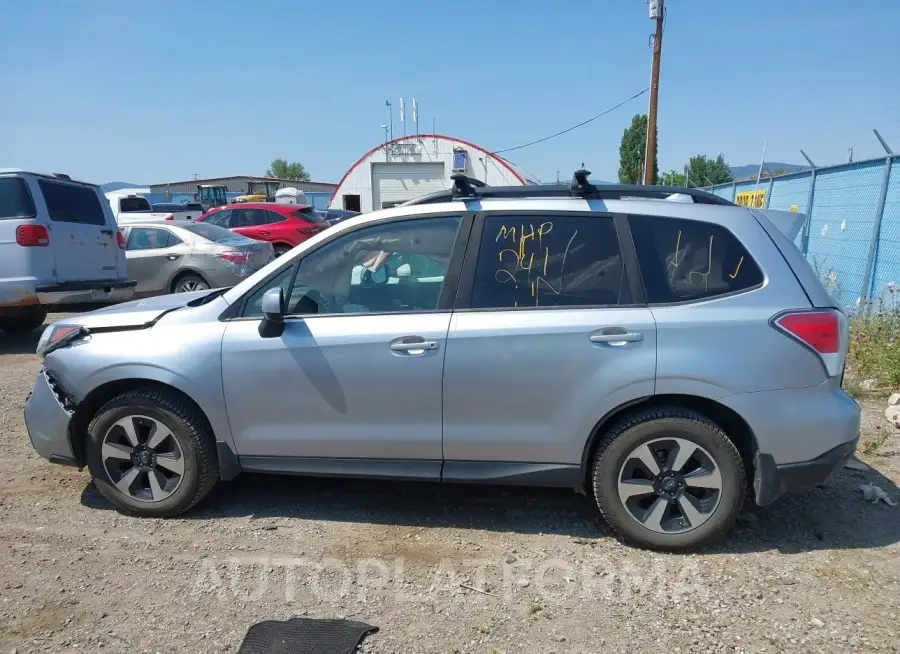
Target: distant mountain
x,y
118,186
750,170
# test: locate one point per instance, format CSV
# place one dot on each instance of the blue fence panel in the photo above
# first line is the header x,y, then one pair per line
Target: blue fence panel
x,y
724,191
790,191
887,259
841,226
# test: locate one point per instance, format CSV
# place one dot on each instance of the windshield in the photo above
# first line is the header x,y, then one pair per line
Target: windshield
x,y
134,205
310,215
209,232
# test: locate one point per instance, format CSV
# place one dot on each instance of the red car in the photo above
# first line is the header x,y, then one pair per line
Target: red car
x,y
283,225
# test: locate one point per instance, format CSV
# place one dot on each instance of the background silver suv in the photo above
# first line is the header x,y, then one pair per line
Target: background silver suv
x,y
654,350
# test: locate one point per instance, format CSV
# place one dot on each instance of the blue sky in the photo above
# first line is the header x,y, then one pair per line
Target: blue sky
x,y
154,91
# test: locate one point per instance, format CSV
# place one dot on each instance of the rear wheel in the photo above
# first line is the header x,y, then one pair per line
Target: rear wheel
x,y
25,322
189,284
151,453
668,479
281,248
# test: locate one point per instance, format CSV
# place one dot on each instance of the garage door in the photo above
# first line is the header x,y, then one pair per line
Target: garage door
x,y
395,183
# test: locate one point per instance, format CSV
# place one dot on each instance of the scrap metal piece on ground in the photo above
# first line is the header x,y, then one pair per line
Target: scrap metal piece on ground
x,y
872,493
305,636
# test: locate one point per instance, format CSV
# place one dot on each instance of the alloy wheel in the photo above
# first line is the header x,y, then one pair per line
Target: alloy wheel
x,y
142,458
191,285
670,485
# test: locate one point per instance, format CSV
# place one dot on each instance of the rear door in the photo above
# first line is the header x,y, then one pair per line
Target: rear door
x,y
83,239
155,255
250,222
550,334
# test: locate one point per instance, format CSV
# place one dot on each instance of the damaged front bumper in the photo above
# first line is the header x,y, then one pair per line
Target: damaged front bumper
x,y
48,414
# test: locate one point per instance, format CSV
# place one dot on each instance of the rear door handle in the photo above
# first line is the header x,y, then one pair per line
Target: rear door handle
x,y
265,233
417,346
617,339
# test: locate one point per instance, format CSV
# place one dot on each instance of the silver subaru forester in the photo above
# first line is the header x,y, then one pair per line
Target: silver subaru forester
x,y
661,349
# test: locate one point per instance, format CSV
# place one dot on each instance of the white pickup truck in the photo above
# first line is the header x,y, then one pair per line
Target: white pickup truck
x,y
129,206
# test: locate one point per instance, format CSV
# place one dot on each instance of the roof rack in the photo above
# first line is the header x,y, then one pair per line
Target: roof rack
x,y
468,188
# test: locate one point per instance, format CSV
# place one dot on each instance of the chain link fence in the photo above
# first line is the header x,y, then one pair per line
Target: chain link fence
x,y
852,231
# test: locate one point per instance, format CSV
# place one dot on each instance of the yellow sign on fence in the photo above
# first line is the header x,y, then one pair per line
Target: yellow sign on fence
x,y
751,198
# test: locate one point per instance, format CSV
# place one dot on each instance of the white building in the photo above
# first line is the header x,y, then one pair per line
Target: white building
x,y
412,166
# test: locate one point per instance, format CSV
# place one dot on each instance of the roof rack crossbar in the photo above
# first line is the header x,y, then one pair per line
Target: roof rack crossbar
x,y
601,192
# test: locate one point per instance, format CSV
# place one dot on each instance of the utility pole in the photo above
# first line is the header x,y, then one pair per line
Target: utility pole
x,y
657,13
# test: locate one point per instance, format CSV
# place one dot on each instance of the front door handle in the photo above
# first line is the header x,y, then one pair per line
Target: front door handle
x,y
617,339
172,257
416,347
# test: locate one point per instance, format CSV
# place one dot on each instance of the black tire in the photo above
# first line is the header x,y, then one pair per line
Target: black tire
x,y
281,249
24,323
667,422
189,283
188,427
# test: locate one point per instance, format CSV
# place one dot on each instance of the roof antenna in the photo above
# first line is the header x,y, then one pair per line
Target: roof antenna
x,y
580,185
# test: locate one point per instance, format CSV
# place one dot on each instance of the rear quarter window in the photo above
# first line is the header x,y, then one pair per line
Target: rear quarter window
x,y
15,200
70,203
690,260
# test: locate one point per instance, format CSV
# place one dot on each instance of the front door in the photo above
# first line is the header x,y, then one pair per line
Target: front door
x,y
356,375
550,340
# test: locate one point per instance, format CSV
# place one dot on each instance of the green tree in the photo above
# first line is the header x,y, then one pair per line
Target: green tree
x,y
672,178
282,169
706,171
632,150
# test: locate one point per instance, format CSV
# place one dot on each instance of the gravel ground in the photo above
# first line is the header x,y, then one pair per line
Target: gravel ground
x,y
455,569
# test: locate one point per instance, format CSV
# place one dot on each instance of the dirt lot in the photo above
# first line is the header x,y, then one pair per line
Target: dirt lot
x,y
817,572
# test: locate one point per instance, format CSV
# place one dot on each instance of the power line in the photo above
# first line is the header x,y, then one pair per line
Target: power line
x,y
574,127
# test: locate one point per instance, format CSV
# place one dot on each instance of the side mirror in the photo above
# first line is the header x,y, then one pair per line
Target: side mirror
x,y
273,309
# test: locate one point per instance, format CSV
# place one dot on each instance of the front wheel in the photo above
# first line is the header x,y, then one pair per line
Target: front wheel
x,y
668,479
151,453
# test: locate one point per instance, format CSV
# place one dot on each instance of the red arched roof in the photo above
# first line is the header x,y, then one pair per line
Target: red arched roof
x,y
503,162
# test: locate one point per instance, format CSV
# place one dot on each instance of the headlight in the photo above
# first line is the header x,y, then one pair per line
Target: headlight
x,y
57,336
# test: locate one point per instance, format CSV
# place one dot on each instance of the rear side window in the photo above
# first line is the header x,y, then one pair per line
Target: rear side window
x,y
151,238
15,200
686,260
553,261
68,203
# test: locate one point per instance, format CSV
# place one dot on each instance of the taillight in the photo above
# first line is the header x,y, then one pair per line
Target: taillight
x,y
311,229
233,257
120,240
32,236
169,217
825,332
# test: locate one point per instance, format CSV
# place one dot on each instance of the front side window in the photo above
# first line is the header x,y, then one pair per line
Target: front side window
x,y
219,218
397,267
15,200
71,203
552,261
686,260
150,238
